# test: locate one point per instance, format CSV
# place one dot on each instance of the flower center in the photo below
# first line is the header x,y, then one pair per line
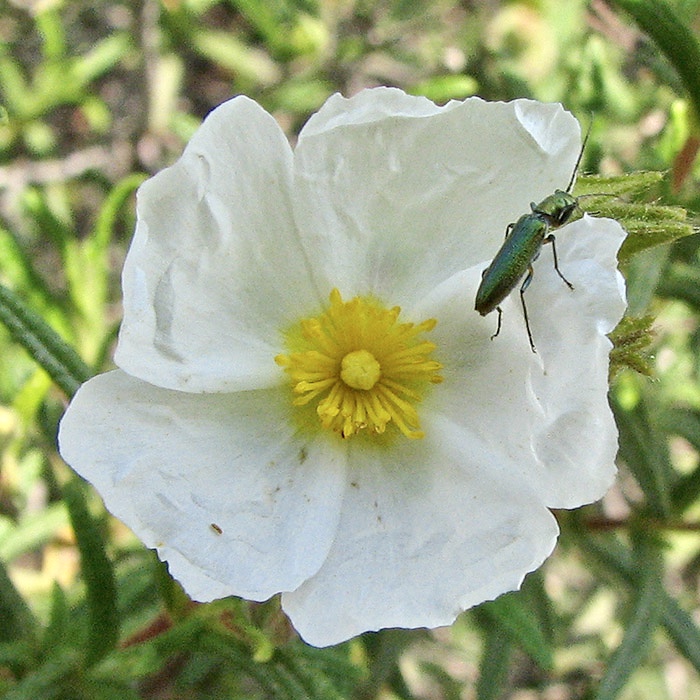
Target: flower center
x,y
361,369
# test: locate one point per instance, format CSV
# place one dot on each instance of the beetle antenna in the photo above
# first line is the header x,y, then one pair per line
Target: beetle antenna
x,y
599,194
580,155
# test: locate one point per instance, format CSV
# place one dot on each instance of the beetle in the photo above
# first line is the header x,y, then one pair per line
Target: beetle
x,y
522,246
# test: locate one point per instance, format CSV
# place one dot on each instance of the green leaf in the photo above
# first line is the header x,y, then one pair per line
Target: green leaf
x,y
615,561
643,272
97,573
644,451
640,625
681,281
309,676
101,58
382,650
144,657
245,62
442,88
107,216
673,36
14,86
647,225
686,423
629,184
517,618
45,219
495,661
682,629
61,362
48,21
334,662
107,689
18,266
45,682
59,619
274,21
18,657
267,675
18,623
32,531
631,341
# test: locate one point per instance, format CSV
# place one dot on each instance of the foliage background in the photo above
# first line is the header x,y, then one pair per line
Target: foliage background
x,y
97,95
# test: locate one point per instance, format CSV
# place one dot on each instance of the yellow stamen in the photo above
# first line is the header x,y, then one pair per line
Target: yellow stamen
x,y
365,370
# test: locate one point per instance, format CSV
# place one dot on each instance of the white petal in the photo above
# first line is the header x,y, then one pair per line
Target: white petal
x,y
424,533
176,467
215,270
577,441
487,388
546,413
395,194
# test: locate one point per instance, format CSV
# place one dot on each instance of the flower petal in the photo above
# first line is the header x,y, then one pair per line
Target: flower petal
x,y
577,441
487,388
196,317
178,468
545,413
396,194
427,530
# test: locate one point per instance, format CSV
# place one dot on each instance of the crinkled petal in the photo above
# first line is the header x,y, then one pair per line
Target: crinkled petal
x,y
178,467
546,413
425,533
215,270
487,387
577,441
395,194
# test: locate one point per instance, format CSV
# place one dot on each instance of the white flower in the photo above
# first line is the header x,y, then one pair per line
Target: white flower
x,y
260,327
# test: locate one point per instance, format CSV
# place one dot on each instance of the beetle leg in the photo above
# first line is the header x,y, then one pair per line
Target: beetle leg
x,y
509,228
551,239
523,287
498,327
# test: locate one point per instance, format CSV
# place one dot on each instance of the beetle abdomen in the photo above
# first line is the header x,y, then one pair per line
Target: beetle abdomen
x,y
511,262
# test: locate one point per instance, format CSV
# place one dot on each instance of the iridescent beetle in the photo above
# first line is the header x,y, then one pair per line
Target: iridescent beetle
x,y
522,246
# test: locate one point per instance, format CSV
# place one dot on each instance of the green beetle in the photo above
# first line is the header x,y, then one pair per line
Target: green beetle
x,y
522,246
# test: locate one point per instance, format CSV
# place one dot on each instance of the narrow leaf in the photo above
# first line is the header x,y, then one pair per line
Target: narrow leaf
x,y
637,183
101,58
45,682
640,626
682,629
514,615
682,281
673,36
643,448
14,86
17,265
309,676
97,573
18,623
495,660
615,562
647,224
46,347
17,657
107,217
56,631
32,531
686,423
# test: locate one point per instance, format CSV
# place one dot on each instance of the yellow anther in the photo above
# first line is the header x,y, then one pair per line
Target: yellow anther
x,y
365,370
